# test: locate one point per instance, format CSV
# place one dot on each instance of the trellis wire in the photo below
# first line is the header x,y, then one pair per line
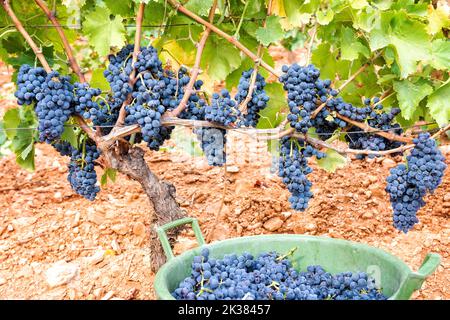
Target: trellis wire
x,y
252,129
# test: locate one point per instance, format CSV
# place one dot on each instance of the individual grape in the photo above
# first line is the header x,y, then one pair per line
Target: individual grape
x,y
408,184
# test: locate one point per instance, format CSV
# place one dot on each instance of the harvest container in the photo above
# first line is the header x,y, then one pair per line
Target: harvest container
x,y
396,279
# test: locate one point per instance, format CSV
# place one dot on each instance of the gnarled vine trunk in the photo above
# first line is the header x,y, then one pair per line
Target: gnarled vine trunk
x,y
162,195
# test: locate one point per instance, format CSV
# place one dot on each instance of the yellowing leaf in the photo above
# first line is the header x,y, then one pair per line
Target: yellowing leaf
x,y
437,19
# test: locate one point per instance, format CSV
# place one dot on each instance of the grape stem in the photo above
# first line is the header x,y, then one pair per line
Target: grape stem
x,y
5,3
196,68
67,48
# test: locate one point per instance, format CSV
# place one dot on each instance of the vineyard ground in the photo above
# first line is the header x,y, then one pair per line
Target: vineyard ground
x,y
101,246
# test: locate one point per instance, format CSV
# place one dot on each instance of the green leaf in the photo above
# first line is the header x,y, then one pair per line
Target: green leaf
x,y
407,36
351,47
28,162
270,115
220,58
440,54
358,4
324,18
271,33
103,31
184,140
11,121
108,173
122,7
98,80
439,106
69,134
332,161
3,137
437,19
295,16
410,94
200,7
26,152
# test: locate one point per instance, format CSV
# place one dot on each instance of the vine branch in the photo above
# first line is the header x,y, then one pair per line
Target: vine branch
x,y
67,48
196,68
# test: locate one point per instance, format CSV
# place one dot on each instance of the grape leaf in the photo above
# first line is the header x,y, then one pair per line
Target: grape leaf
x,y
440,54
108,173
332,161
220,58
70,136
407,36
351,47
295,17
439,106
324,18
186,141
11,121
201,7
98,80
104,32
410,94
122,7
27,162
270,115
358,4
271,33
437,19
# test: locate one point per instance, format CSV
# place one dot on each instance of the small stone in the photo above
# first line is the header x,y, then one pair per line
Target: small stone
x,y
447,197
286,214
221,232
97,257
139,229
95,217
10,228
388,163
311,227
115,246
446,204
372,178
61,273
76,219
367,215
273,224
121,228
98,293
108,295
232,169
2,281
24,222
368,194
58,195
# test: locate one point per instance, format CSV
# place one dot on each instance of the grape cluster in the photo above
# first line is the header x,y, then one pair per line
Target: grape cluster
x,y
118,75
269,277
378,119
304,91
258,99
29,84
223,109
54,106
407,185
84,102
53,95
82,176
212,142
293,169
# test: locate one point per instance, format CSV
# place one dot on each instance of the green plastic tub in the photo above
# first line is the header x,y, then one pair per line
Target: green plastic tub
x,y
396,279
